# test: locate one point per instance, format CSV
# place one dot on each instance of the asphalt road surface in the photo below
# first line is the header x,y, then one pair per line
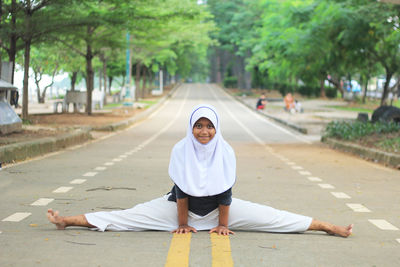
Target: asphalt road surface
x,y
276,167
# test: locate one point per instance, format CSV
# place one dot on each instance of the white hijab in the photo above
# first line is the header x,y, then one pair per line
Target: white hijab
x,y
203,169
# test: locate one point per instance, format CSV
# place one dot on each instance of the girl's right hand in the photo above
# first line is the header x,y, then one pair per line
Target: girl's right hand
x,y
183,229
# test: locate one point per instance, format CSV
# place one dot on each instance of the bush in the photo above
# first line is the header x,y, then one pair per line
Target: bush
x,y
308,90
230,82
330,92
353,130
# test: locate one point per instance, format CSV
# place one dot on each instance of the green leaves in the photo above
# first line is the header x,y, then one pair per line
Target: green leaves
x,y
355,130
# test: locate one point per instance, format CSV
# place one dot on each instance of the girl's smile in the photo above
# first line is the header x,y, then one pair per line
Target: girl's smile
x,y
203,130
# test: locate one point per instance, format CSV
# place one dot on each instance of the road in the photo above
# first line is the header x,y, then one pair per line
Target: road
x,y
276,167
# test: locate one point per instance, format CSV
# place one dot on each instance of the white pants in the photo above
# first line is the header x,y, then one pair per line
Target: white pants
x,y
161,214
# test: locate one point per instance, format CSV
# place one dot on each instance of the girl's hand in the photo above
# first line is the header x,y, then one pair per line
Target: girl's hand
x,y
183,229
221,230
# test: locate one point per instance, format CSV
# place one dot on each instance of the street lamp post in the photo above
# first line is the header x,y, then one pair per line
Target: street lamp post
x,y
128,83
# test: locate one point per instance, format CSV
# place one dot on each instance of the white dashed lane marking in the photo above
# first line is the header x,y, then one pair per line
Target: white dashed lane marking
x,y
297,167
109,163
78,181
117,159
62,189
326,186
123,156
42,201
17,217
383,224
290,163
398,239
340,195
90,174
100,168
304,173
357,207
314,179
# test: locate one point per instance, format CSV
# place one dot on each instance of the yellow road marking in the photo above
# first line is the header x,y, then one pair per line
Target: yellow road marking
x,y
178,254
221,251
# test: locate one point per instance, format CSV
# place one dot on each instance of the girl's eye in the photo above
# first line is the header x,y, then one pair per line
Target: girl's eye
x,y
210,126
198,126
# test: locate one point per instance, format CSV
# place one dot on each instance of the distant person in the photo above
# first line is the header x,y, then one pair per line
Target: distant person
x,y
261,102
298,107
203,169
289,103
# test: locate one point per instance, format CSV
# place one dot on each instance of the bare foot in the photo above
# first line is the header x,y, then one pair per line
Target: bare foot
x,y
343,231
56,219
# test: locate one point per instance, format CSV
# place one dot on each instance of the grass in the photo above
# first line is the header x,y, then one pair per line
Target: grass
x,y
392,144
354,109
113,105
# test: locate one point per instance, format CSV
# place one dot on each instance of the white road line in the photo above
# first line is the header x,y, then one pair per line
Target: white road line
x,y
383,224
62,189
42,202
100,168
117,159
340,195
129,153
109,163
326,186
398,239
314,179
17,217
290,163
123,156
304,173
90,174
78,181
357,207
297,167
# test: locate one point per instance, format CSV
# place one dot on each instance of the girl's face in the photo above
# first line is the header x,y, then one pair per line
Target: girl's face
x,y
203,130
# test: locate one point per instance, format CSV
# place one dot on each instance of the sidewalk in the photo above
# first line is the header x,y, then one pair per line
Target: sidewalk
x,y
317,114
37,140
312,122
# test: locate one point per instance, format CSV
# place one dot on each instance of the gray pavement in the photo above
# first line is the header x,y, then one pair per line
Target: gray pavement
x,y
276,167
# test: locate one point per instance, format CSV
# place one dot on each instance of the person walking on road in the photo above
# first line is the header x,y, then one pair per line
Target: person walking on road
x,y
203,169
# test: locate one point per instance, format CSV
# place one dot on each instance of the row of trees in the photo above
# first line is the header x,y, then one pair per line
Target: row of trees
x,y
78,37
284,44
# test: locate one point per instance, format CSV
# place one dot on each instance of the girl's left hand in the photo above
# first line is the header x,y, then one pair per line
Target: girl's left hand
x,y
221,230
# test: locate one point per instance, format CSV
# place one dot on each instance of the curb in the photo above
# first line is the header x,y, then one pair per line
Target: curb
x,y
288,124
29,149
386,158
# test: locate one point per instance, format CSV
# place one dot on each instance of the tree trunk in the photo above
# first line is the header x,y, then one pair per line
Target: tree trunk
x,y
26,79
13,38
89,78
386,88
73,80
322,92
144,81
137,80
365,90
218,67
110,80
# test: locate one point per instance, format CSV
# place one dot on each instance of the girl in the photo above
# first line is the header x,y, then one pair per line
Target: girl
x,y
203,169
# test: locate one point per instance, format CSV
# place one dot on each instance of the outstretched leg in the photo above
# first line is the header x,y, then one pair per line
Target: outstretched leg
x,y
343,231
61,222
